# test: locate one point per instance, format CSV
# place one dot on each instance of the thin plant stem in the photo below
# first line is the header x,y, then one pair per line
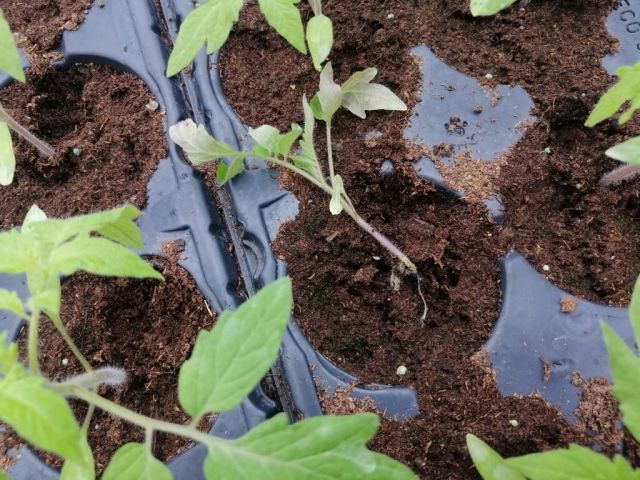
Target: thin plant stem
x,y
87,418
148,423
148,440
329,151
34,322
46,149
71,344
316,6
318,183
57,322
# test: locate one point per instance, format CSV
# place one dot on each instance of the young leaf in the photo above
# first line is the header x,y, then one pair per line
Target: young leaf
x,y
99,256
267,137
320,39
484,8
7,157
133,461
10,301
627,89
9,56
227,172
116,224
228,362
625,367
576,462
316,108
360,95
45,290
307,159
41,417
335,206
210,23
488,462
17,253
330,94
628,151
4,476
286,140
35,214
315,449
285,18
47,248
271,142
9,365
196,142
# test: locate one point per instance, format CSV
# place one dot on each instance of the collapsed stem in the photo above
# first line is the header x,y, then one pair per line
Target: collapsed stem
x,y
46,149
382,240
351,211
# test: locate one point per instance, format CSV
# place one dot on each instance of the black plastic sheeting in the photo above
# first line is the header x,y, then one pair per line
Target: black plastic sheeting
x,y
135,36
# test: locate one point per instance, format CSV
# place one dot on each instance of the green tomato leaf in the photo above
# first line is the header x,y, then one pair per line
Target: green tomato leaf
x,y
210,23
9,365
286,140
17,253
198,145
227,172
228,362
267,137
83,470
625,367
576,463
307,160
10,301
7,157
484,8
285,18
45,289
41,417
320,39
387,468
330,94
4,476
316,108
628,151
35,214
335,206
360,95
488,462
116,224
627,89
133,461
100,256
9,56
317,448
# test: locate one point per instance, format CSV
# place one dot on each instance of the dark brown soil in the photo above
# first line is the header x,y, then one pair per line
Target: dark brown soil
x,y
556,214
102,113
146,327
41,22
